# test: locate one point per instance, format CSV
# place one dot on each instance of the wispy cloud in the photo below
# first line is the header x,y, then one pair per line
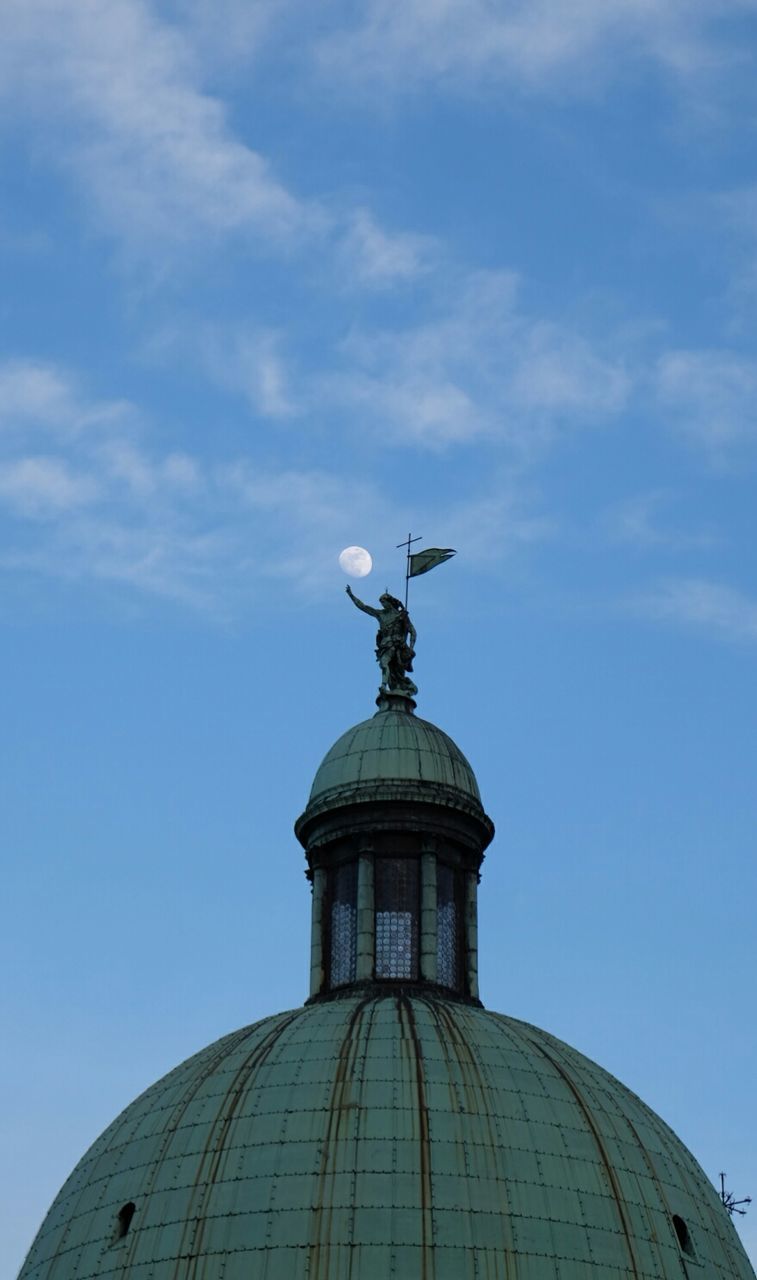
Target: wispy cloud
x,y
481,366
380,258
710,396
158,558
96,504
643,521
44,486
302,517
314,512
102,506
244,359
493,526
535,44
701,603
231,32
119,90
36,393
128,470
119,93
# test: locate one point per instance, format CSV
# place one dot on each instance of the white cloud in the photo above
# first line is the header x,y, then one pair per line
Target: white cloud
x,y
641,522
380,258
474,365
245,360
559,372
101,506
105,508
710,395
99,454
44,486
119,91
128,470
492,526
698,602
124,463
310,496
114,94
314,513
481,367
533,43
182,473
173,562
38,393
303,517
30,391
160,559
229,32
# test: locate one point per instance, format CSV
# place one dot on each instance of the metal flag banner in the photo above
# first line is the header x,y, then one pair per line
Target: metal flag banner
x,y
422,561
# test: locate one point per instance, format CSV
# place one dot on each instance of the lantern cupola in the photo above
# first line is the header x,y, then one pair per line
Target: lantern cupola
x,y
394,833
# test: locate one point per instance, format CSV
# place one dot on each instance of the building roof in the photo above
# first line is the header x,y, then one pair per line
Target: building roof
x,y
389,1128
394,744
395,755
390,1133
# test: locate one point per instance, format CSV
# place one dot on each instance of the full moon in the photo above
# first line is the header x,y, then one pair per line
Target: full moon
x,y
356,561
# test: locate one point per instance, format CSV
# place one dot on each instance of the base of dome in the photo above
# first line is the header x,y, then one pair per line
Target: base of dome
x,y
377,989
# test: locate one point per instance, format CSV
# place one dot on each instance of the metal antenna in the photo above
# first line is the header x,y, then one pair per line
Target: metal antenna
x,y
408,544
730,1201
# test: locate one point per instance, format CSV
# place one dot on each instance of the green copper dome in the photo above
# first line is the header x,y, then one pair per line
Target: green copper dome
x,y
392,1127
382,1135
394,755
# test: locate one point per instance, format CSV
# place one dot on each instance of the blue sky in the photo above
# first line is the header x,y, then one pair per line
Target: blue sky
x,y
281,277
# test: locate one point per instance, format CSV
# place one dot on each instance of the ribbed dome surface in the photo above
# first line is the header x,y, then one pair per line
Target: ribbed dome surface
x,y
394,746
388,1135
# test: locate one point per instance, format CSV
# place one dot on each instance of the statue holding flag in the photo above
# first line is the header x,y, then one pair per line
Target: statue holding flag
x,y
396,637
395,642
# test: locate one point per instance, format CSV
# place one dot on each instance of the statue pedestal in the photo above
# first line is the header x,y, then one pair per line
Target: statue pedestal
x,y
395,700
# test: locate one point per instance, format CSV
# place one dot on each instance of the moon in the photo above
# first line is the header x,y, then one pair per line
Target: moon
x,y
356,561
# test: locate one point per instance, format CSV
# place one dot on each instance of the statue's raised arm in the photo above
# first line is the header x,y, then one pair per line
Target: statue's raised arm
x,y
366,608
395,642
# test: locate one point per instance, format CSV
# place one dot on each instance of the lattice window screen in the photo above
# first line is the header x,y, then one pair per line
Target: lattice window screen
x,y
448,939
343,922
397,888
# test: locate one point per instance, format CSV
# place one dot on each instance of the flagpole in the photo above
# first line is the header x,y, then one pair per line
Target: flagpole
x,y
408,544
407,571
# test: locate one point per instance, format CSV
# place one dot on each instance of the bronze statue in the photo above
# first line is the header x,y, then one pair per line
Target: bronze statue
x,y
395,642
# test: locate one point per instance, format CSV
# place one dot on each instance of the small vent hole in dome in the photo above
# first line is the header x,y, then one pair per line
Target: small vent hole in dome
x,y
684,1239
125,1216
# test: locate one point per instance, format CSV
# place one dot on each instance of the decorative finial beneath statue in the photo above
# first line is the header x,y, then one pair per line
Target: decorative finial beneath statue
x,y
396,636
